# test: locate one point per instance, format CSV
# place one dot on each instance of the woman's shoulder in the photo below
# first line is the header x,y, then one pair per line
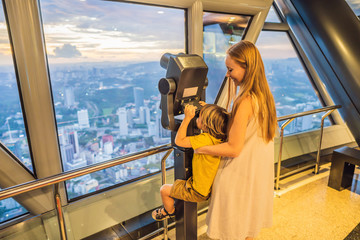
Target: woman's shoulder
x,y
245,104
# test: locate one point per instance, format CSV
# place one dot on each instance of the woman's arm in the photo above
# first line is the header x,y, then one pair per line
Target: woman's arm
x,y
181,139
236,139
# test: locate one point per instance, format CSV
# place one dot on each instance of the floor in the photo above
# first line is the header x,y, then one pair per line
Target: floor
x,y
305,208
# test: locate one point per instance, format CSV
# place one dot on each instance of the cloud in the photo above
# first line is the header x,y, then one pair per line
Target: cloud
x,y
67,51
109,30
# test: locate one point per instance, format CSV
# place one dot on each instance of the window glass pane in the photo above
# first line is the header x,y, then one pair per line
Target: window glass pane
x,y
116,175
273,16
104,61
12,129
355,6
220,32
288,81
10,209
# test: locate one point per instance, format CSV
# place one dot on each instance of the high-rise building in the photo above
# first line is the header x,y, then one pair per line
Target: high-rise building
x,y
90,158
144,115
152,129
73,139
147,115
123,121
139,98
62,136
69,97
130,119
83,118
67,153
158,126
108,148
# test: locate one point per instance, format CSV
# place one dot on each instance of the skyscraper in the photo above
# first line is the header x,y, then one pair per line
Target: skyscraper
x,y
144,115
83,118
123,124
108,148
67,155
73,139
152,129
69,97
139,98
130,119
62,136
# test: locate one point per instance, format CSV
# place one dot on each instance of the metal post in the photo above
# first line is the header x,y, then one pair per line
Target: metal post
x,y
59,212
163,181
317,165
280,152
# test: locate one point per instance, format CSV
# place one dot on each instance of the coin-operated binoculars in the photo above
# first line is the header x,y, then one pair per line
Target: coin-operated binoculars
x,y
185,83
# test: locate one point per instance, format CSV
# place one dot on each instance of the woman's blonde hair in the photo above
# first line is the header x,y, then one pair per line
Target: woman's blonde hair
x,y
215,119
254,84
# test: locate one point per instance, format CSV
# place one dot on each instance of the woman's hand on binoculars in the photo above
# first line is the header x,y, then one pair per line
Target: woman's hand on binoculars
x,y
202,103
190,111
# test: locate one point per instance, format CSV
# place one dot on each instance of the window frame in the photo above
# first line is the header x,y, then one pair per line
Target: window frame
x,y
284,27
186,48
223,83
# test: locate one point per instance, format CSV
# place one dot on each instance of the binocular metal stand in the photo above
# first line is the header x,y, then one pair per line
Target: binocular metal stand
x,y
186,212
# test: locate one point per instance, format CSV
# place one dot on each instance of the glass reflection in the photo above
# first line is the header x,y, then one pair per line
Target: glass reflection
x,y
104,67
289,81
220,31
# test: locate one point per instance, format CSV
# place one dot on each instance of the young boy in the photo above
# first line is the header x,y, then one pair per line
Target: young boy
x,y
213,122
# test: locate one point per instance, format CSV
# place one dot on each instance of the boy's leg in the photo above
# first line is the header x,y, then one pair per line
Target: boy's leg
x,y
166,199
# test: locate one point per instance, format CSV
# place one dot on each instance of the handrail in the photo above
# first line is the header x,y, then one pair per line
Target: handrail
x,y
163,181
310,112
290,118
61,177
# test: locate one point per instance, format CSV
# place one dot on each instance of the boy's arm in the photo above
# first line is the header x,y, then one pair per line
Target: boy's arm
x,y
181,139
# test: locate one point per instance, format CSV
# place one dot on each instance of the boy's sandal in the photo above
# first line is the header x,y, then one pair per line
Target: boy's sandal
x,y
159,216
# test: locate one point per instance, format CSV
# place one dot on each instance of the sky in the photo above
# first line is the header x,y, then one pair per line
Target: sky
x,y
99,31
93,30
273,44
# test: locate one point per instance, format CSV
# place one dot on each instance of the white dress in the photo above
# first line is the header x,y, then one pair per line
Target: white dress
x,y
242,195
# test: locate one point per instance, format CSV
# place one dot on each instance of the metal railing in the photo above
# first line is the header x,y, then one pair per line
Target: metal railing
x,y
61,177
163,181
288,119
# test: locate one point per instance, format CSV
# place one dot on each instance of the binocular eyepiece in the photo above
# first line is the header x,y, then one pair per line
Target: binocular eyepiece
x,y
165,58
184,84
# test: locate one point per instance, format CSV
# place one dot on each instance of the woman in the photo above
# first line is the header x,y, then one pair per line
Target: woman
x,y
242,198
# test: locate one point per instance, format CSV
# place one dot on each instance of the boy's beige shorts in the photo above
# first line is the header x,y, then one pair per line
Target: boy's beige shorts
x,y
183,190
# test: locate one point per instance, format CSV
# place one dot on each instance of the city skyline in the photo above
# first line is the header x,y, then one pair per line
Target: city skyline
x,y
97,136
104,68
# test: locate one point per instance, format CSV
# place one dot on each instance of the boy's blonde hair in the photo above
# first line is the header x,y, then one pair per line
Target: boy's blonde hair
x,y
215,120
255,85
